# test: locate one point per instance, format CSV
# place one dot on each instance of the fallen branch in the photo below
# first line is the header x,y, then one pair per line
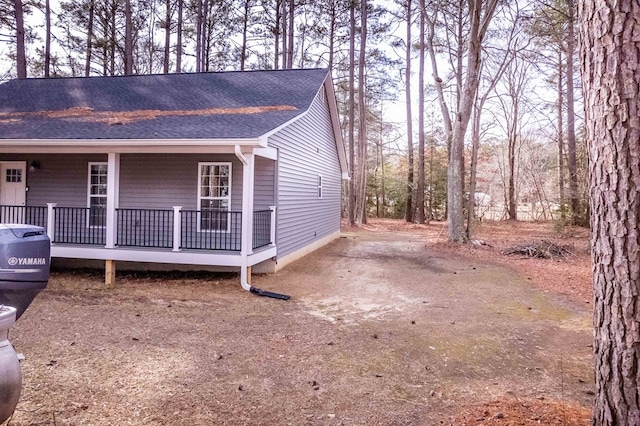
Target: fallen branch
x,y
540,249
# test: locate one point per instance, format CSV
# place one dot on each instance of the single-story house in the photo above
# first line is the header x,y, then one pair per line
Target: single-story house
x,y
226,169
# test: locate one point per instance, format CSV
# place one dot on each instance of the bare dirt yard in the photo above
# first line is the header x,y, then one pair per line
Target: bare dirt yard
x,y
388,325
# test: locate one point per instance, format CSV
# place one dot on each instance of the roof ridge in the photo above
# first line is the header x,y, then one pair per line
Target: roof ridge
x,y
122,76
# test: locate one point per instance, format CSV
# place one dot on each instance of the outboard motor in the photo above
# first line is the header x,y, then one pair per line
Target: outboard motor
x,y
10,374
24,272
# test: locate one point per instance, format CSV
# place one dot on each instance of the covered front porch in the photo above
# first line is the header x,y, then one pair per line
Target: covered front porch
x,y
189,205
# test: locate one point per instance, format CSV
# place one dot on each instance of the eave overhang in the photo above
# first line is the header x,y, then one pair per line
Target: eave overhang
x,y
125,146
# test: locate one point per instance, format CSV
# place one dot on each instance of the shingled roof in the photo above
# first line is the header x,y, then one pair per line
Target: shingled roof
x,y
221,105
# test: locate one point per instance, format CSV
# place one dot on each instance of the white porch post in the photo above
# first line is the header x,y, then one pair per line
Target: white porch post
x,y
247,205
273,225
246,246
177,236
113,193
51,232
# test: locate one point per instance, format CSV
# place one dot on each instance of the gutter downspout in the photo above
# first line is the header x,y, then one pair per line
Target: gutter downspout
x,y
247,224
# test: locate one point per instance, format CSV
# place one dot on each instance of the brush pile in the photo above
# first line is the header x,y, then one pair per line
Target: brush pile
x,y
541,249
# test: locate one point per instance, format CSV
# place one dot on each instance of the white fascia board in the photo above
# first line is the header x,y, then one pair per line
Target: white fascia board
x,y
270,153
335,122
265,138
83,146
151,256
162,256
261,256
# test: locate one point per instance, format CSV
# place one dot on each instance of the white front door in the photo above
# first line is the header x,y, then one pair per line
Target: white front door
x,y
13,183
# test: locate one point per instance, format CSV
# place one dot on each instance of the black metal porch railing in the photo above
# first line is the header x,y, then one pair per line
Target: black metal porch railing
x,y
144,228
149,228
261,228
211,230
27,215
80,225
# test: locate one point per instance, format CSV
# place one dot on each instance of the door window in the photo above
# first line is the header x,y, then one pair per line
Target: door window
x,y
13,176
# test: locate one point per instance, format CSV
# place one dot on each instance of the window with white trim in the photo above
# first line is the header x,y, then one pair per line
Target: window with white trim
x,y
214,196
319,187
97,194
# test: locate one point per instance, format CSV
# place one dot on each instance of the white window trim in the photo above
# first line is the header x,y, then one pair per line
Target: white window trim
x,y
200,197
320,191
89,196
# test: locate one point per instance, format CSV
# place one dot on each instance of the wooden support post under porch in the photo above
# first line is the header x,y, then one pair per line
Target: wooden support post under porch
x,y
110,273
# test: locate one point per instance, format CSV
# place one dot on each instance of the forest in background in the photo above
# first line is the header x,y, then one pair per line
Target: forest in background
x,y
488,89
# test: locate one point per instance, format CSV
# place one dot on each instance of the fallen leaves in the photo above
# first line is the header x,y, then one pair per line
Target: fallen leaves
x,y
88,114
524,412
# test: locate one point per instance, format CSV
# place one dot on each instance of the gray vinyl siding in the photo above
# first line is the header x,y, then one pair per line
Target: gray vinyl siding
x,y
147,181
264,186
160,181
61,179
306,149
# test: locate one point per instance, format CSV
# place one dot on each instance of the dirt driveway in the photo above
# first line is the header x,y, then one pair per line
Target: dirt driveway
x,y
381,329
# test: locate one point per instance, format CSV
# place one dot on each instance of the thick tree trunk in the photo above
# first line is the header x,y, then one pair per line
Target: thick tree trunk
x,y
455,176
611,83
455,173
21,54
408,213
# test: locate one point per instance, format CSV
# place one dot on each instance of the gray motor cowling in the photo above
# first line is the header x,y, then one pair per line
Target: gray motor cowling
x,y
24,264
25,252
10,374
